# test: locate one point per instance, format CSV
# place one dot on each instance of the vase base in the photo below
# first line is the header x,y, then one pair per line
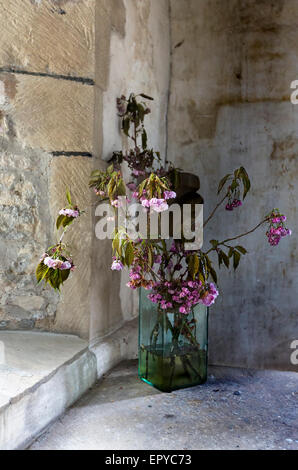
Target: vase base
x,y
162,389
168,373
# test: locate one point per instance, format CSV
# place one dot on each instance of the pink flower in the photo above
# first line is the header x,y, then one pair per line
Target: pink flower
x,y
131,285
65,265
170,194
158,205
57,263
182,310
117,266
158,259
134,276
146,203
69,213
43,257
50,262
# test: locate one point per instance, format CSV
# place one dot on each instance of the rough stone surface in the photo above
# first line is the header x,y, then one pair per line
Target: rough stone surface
x,y
230,106
25,232
48,36
123,46
263,415
54,115
40,115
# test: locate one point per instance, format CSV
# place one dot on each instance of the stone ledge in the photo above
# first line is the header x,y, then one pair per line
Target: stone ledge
x,y
32,396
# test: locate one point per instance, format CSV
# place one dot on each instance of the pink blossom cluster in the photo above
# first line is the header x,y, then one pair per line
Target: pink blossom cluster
x,y
233,205
70,213
99,192
57,263
117,265
277,229
158,205
183,296
137,280
169,195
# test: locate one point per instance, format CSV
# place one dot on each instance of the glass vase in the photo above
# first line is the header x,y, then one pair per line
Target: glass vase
x,y
173,347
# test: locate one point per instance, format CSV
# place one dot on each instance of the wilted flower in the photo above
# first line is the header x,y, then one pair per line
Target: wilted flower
x,y
122,105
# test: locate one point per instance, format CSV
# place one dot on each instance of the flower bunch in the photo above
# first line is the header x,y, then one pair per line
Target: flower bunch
x,y
74,213
233,204
277,229
178,279
56,263
183,295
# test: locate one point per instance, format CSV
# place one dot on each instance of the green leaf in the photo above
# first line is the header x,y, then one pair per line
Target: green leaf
x,y
141,111
95,174
144,139
59,221
142,187
126,126
41,271
111,188
129,254
68,197
64,275
150,257
54,278
116,245
226,259
67,221
121,189
241,249
193,265
231,251
234,185
214,243
236,259
246,181
223,182
213,274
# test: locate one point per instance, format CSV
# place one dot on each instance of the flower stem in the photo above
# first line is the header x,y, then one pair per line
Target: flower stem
x,y
238,236
214,210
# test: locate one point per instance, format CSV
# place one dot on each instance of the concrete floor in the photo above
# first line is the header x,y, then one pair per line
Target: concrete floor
x,y
26,358
236,409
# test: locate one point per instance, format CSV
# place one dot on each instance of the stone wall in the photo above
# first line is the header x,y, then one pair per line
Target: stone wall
x,y
47,56
139,62
233,62
60,74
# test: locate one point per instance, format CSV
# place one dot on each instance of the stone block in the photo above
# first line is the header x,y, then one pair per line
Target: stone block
x,y
48,36
51,114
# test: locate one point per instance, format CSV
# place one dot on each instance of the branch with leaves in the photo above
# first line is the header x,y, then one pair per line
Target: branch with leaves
x,y
178,279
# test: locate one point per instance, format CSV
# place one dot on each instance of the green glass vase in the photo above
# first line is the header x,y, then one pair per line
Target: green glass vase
x,y
173,347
